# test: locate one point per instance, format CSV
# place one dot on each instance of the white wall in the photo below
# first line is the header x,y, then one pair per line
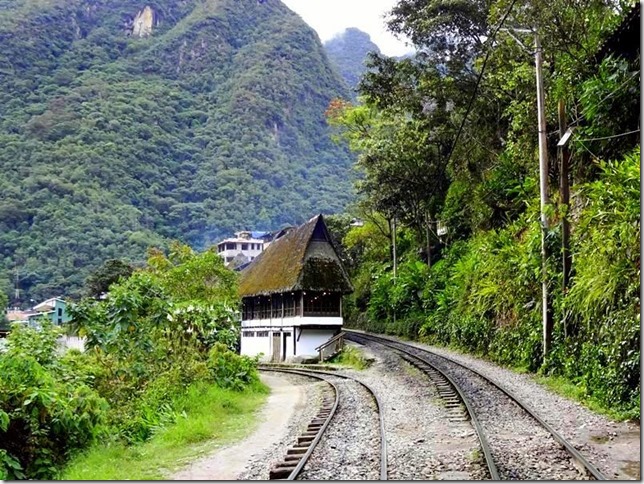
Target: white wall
x,y
305,346
311,339
254,345
71,342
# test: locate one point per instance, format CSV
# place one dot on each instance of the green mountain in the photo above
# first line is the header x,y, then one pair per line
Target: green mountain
x,y
127,123
348,52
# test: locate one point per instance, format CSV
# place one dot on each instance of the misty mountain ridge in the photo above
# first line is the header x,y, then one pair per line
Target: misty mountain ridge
x,y
126,124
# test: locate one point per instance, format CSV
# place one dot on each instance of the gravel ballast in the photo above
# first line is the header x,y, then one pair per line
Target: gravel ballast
x,y
421,441
350,447
521,447
612,447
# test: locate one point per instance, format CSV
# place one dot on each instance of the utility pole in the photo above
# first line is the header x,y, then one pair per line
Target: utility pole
x,y
17,286
543,189
393,240
427,237
564,189
543,185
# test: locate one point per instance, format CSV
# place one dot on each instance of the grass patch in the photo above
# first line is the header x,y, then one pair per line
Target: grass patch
x,y
568,389
211,416
351,356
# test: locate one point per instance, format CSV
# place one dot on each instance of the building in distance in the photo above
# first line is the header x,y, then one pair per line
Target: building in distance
x,y
243,247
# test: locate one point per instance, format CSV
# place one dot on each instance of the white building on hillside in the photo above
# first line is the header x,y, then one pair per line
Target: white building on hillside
x,y
243,247
292,294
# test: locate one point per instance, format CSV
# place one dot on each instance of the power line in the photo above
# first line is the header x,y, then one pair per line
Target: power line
x,y
610,137
478,82
586,148
610,94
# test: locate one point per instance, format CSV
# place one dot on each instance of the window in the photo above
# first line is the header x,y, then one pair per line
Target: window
x,y
60,320
321,304
276,312
244,247
248,334
262,334
247,309
291,305
264,308
230,246
257,308
60,312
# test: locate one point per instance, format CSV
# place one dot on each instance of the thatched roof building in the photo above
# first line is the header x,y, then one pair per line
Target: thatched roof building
x,y
303,259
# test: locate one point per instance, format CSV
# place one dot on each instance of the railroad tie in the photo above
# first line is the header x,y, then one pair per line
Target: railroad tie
x,y
281,472
455,409
295,454
297,450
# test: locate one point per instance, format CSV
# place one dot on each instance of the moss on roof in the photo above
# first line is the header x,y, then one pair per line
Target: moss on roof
x,y
284,266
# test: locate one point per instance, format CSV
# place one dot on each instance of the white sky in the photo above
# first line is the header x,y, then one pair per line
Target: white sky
x,y
330,17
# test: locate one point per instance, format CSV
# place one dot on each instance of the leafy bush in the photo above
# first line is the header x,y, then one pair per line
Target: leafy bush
x,y
39,343
44,417
484,295
156,334
602,350
353,357
230,370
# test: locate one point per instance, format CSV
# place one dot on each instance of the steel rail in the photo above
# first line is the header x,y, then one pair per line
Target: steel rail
x,y
576,455
379,407
485,447
302,462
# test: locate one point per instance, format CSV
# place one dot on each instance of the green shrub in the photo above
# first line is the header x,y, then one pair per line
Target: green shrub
x,y
38,343
158,333
602,349
484,295
46,418
230,370
353,357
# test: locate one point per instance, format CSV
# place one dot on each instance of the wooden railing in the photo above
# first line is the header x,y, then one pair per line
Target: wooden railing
x,y
331,347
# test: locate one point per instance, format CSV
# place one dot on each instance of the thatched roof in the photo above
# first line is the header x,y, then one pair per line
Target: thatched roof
x,y
302,259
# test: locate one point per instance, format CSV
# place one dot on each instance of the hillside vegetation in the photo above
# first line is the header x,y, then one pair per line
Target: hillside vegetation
x,y
160,349
348,52
448,152
112,142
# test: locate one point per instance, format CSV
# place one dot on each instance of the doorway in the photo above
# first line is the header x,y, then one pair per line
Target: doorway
x,y
276,356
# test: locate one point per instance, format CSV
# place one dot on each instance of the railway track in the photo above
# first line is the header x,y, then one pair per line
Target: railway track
x,y
299,454
474,389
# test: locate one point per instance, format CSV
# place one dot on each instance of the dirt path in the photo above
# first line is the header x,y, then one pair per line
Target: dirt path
x,y
227,463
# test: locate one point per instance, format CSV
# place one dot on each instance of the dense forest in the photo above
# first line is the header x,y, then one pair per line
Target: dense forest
x,y
450,251
348,52
126,124
163,342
